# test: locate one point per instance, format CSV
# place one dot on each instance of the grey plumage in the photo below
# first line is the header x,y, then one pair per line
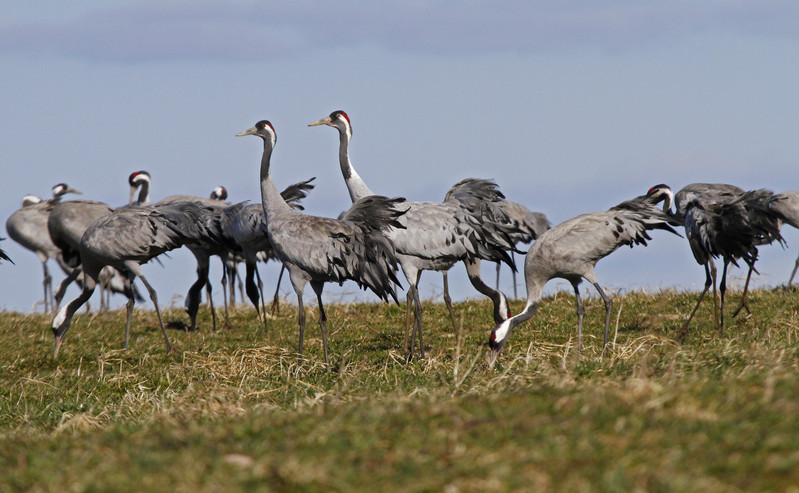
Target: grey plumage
x,y
571,249
125,239
527,226
28,227
787,205
248,229
67,223
319,249
724,221
436,235
217,242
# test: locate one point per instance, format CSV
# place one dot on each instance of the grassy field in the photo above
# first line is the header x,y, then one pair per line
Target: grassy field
x,y
232,411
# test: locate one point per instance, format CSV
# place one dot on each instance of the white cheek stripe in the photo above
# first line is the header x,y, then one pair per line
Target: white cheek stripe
x,y
501,332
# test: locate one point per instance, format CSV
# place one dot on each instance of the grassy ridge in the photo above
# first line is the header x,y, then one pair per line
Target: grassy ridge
x,y
233,410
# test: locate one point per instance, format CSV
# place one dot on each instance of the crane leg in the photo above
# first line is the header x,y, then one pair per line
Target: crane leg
x,y
228,325
580,314
513,272
47,284
260,292
318,287
684,331
714,275
722,292
276,299
417,312
608,309
154,299
793,273
448,302
409,301
301,323
744,302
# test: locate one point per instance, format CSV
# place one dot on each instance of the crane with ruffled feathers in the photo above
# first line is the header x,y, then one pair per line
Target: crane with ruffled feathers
x,y
318,250
436,235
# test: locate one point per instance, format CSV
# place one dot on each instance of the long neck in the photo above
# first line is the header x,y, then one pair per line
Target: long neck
x,y
144,194
535,289
501,308
270,198
355,184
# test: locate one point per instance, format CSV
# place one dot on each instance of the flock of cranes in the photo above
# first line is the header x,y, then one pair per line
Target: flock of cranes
x,y
98,245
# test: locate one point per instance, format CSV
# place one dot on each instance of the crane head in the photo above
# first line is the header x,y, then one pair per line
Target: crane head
x,y
337,119
263,129
62,189
219,193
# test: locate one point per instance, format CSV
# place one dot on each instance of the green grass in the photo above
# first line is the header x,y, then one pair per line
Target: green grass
x,y
233,411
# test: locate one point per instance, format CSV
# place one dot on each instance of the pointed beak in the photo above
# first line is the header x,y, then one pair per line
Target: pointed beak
x,y
324,121
492,357
132,194
57,346
72,190
249,131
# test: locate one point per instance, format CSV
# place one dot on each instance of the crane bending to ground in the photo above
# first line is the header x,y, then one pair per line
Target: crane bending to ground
x,y
724,221
319,249
125,239
436,235
571,250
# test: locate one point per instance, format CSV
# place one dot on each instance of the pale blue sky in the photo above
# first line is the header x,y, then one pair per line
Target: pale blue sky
x,y
571,106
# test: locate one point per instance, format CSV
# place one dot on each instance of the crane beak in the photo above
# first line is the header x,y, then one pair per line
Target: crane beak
x,y
324,121
57,346
72,190
132,194
492,357
249,131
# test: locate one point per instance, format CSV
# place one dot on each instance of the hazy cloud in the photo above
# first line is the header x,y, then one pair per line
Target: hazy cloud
x,y
159,30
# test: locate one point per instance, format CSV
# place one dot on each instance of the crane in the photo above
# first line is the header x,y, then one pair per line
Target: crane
x,y
571,249
28,227
319,249
724,221
436,235
125,239
248,230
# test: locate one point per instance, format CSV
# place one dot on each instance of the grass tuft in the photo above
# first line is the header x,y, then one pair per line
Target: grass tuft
x,y
234,410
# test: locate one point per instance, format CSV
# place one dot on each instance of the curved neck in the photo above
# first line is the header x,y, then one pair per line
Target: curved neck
x,y
144,194
270,198
355,184
501,308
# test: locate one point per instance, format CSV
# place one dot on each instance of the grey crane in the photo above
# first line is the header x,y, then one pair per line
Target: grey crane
x,y
724,221
66,224
217,242
139,180
125,239
571,249
248,229
787,204
319,250
28,227
525,226
436,235
528,226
